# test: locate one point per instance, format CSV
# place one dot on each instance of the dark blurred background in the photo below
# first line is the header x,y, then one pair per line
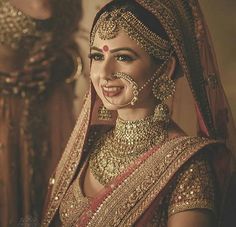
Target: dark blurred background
x,y
221,18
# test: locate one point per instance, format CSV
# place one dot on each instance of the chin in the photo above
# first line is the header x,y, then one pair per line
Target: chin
x,y
110,106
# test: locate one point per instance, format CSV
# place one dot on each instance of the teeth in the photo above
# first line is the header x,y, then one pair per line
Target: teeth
x,y
112,89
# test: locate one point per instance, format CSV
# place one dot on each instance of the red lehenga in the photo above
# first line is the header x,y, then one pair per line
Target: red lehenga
x,y
183,173
133,197
36,116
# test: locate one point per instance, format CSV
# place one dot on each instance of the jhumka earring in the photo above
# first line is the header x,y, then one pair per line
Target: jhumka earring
x,y
104,114
162,89
162,113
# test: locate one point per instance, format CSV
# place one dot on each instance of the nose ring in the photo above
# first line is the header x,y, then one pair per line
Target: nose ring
x,y
106,81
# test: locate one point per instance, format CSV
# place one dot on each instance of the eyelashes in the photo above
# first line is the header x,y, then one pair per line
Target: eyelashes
x,y
124,58
119,57
96,56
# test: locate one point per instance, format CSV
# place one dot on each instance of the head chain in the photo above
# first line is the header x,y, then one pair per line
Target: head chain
x,y
110,23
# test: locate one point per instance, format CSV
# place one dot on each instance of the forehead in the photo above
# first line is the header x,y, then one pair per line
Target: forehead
x,y
121,40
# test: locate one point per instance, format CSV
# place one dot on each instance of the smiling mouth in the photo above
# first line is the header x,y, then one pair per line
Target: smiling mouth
x,y
111,91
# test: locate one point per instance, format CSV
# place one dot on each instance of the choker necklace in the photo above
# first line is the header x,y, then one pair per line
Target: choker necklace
x,y
119,147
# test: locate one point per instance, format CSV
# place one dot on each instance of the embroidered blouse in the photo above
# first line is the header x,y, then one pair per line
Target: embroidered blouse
x,y
193,188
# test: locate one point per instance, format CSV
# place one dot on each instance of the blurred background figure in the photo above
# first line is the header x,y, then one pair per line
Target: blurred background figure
x,y
38,64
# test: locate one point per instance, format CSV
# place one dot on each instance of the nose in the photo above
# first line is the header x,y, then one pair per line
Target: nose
x,y
107,69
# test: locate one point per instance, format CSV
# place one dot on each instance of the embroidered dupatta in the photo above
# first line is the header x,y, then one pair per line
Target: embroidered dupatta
x,y
133,191
129,195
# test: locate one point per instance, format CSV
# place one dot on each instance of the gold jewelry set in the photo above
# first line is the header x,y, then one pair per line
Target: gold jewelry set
x,y
118,148
108,26
121,146
162,89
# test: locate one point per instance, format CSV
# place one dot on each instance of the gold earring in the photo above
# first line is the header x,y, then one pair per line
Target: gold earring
x,y
104,114
162,113
163,88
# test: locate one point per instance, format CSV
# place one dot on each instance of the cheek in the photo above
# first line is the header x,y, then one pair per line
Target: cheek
x,y
92,69
141,78
95,80
141,72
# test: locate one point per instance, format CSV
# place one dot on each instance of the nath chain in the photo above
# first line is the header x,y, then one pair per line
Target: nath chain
x,y
155,75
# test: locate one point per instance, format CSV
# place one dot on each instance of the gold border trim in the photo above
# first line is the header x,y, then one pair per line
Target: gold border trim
x,y
68,163
144,185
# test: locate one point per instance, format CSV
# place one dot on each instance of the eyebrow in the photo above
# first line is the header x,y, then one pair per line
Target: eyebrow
x,y
96,48
116,50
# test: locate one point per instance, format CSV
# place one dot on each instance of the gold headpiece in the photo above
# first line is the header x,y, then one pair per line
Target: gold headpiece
x,y
110,23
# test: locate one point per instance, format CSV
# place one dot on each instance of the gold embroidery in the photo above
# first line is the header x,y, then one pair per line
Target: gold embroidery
x,y
194,188
68,163
109,24
72,205
145,183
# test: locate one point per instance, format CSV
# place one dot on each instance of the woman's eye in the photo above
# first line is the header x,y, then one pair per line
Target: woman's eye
x,y
96,57
125,58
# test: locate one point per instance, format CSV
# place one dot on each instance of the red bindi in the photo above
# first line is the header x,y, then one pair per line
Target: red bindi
x,y
105,48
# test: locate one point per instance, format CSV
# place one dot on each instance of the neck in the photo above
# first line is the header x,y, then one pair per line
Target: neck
x,y
137,113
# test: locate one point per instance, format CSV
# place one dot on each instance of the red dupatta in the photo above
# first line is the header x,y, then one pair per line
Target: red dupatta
x,y
129,195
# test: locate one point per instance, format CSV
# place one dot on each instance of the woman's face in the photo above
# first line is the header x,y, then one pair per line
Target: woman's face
x,y
120,54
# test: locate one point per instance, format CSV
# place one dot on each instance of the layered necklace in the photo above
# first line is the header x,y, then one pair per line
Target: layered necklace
x,y
119,147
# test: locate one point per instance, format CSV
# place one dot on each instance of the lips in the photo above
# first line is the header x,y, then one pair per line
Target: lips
x,y
111,91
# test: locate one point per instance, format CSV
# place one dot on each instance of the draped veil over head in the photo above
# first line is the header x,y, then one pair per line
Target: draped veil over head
x,y
164,28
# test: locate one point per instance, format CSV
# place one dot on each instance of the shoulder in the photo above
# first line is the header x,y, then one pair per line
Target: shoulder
x,y
194,186
190,145
175,133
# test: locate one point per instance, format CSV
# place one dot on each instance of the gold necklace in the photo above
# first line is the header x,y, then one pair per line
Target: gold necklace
x,y
118,148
